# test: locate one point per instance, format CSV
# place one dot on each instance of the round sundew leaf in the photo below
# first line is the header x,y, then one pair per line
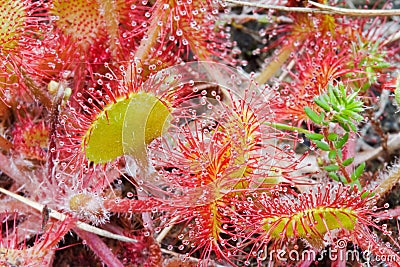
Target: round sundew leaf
x,y
142,115
12,20
103,140
146,119
82,20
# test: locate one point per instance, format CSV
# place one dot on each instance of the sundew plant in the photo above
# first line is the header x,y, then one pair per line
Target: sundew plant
x,y
199,133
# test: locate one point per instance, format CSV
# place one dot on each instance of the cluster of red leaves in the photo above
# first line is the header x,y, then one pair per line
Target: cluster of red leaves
x,y
221,179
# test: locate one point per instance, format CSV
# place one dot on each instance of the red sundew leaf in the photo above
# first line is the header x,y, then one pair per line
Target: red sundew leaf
x,y
21,22
183,30
31,138
41,252
80,19
313,216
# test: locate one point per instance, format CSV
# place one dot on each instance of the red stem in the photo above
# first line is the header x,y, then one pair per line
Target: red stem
x,y
135,205
99,248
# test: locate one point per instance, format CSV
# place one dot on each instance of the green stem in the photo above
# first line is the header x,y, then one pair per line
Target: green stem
x,y
282,126
338,159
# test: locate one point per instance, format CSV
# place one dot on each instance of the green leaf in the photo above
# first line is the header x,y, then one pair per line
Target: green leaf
x,y
358,171
324,97
322,145
332,96
336,91
397,95
353,126
381,65
336,107
353,115
331,168
339,152
356,183
322,115
342,141
348,161
147,116
322,103
342,89
344,126
356,109
333,176
367,194
314,136
332,136
332,154
342,122
397,90
369,70
313,115
343,179
351,97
